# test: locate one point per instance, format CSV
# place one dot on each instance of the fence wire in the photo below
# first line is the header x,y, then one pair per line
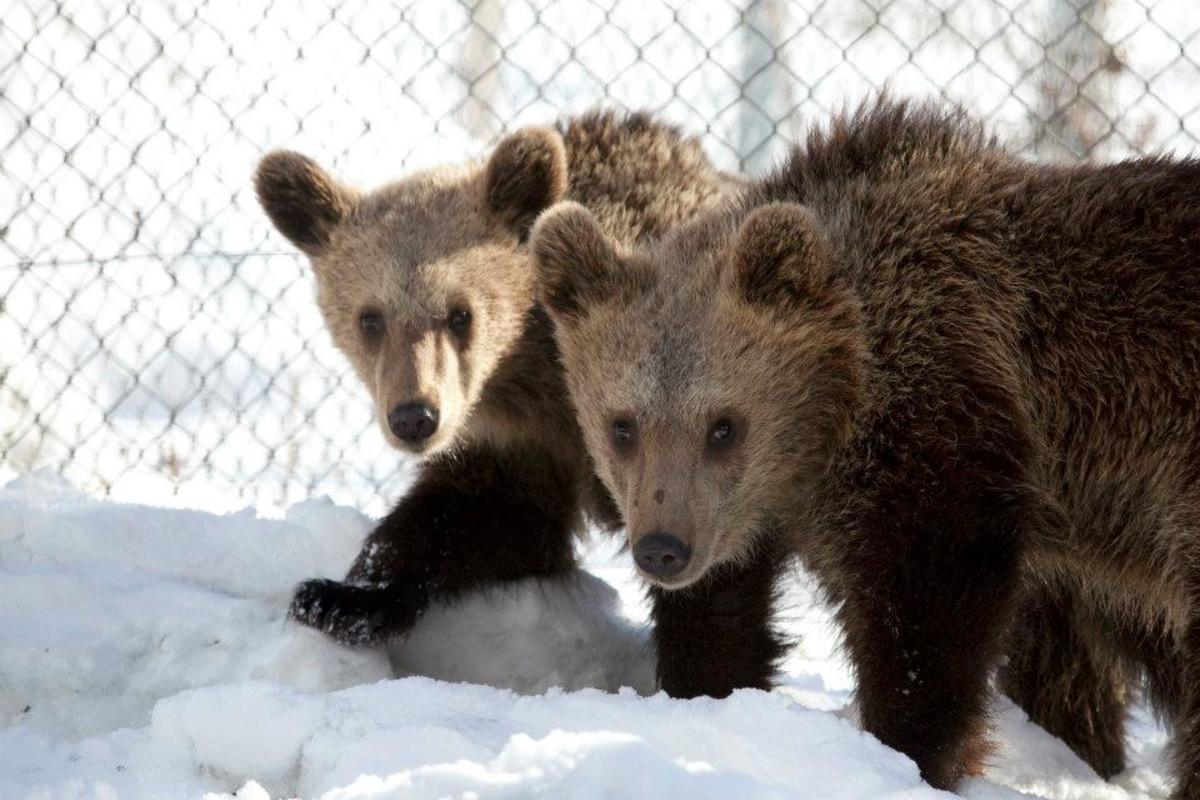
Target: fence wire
x,y
159,342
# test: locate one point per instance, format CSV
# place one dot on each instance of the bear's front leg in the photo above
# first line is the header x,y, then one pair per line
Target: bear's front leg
x,y
928,603
474,518
716,635
358,613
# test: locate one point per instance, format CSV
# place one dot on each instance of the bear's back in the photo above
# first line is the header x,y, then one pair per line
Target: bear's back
x,y
1064,298
639,176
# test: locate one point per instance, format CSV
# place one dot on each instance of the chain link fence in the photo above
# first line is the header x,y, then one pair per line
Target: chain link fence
x,y
159,342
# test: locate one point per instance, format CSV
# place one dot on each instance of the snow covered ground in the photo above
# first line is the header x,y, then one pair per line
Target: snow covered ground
x,y
144,654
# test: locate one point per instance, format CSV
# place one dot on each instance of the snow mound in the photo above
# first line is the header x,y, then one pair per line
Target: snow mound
x,y
538,635
444,740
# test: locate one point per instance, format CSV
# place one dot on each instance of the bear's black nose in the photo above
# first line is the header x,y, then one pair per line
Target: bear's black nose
x,y
661,555
413,422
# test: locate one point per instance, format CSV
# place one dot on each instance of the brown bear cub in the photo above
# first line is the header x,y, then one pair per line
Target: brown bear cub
x,y
427,286
964,389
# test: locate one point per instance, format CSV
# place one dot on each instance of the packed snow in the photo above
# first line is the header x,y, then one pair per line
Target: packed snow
x,y
145,653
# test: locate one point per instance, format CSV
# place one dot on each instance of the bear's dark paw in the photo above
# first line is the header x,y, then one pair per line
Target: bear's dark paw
x,y
357,615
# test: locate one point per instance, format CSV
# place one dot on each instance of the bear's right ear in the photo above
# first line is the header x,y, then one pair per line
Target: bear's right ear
x,y
526,175
575,263
301,199
780,256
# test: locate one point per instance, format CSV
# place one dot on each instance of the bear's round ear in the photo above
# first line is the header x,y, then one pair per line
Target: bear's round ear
x,y
575,263
304,203
779,256
526,174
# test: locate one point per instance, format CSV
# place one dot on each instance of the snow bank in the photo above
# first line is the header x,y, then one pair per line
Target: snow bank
x,y
144,653
444,740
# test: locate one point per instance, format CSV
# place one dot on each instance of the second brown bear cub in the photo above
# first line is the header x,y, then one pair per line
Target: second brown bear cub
x,y
956,384
426,285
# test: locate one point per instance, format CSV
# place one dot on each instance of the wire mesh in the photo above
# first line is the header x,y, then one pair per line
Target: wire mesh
x,y
159,342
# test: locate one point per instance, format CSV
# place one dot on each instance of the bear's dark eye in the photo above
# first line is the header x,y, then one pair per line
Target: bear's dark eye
x,y
371,324
459,321
624,433
721,434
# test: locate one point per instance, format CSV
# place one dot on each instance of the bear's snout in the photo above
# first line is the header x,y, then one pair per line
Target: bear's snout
x,y
661,555
413,422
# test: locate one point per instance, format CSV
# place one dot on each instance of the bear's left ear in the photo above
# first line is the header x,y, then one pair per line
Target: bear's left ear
x,y
526,175
574,261
780,256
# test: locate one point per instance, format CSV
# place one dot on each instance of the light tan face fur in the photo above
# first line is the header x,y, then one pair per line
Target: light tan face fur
x,y
415,255
424,284
666,343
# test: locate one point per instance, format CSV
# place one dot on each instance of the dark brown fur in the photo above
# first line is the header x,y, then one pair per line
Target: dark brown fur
x,y
970,388
1070,677
717,635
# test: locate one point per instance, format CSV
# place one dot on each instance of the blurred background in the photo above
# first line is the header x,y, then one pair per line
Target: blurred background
x,y
159,342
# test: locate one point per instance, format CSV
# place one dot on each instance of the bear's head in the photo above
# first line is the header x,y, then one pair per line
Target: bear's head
x,y
714,373
425,284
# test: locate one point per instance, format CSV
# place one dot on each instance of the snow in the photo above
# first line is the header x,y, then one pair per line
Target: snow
x,y
144,653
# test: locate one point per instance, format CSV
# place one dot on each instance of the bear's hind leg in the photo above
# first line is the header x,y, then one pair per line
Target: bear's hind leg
x,y
1185,740
1071,688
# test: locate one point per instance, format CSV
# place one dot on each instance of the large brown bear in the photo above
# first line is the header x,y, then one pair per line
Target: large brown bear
x,y
427,286
963,388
